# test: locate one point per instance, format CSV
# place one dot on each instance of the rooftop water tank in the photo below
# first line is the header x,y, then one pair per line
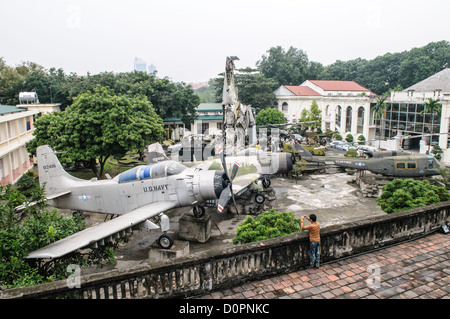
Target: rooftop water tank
x,y
28,98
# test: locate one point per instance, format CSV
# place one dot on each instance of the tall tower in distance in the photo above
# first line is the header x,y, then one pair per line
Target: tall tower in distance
x,y
141,66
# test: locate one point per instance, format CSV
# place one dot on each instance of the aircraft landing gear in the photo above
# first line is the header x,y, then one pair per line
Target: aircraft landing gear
x,y
199,211
266,183
165,241
259,198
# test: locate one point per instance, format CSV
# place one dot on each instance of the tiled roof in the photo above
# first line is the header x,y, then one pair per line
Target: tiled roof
x,y
301,90
438,81
339,85
6,109
205,107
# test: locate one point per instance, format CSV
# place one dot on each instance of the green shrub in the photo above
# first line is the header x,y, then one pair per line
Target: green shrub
x,y
267,225
403,194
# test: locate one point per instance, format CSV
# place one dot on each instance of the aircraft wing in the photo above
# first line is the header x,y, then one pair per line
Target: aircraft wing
x,y
103,231
241,183
58,195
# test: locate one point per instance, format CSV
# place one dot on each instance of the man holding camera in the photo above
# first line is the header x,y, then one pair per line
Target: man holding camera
x,y
314,239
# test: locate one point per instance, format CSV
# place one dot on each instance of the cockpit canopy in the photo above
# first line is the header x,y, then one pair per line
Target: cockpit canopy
x,y
157,170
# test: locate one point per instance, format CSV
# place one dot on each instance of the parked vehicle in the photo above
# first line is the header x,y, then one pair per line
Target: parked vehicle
x,y
341,145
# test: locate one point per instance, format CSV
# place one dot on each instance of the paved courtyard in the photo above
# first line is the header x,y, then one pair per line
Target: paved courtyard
x,y
418,269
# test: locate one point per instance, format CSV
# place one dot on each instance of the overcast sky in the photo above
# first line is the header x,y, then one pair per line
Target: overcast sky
x,y
189,40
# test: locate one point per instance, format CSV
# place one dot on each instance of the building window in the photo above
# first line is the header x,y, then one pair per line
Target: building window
x,y
348,121
338,115
284,107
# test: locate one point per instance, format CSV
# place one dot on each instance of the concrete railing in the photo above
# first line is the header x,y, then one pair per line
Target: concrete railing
x,y
202,273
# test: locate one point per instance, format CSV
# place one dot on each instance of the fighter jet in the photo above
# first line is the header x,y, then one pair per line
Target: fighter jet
x,y
386,164
141,193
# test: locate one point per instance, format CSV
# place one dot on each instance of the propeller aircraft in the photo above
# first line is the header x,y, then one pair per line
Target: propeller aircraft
x,y
136,195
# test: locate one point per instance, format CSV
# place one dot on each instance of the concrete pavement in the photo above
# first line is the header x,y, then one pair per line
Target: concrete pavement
x,y
418,269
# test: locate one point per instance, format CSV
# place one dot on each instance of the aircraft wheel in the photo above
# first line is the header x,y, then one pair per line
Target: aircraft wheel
x,y
266,183
165,241
259,198
199,211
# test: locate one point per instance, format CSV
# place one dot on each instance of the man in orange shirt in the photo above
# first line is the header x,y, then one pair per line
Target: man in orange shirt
x,y
314,239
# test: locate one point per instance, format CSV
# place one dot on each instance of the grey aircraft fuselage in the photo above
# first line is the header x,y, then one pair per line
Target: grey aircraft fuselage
x,y
133,189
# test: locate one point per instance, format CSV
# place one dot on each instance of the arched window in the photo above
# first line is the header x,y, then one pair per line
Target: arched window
x,y
284,107
338,115
361,112
348,125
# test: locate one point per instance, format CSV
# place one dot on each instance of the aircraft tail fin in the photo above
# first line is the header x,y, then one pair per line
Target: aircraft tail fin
x,y
57,180
156,153
304,154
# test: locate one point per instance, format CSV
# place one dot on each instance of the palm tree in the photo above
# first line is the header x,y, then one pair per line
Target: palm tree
x,y
431,107
379,112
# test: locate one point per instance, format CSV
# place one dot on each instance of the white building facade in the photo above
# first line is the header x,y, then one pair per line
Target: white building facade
x,y
407,120
345,105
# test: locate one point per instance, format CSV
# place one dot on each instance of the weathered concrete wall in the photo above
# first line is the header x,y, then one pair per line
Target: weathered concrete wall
x,y
202,273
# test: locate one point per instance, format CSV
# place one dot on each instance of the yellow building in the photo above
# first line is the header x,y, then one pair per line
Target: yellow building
x,y
16,128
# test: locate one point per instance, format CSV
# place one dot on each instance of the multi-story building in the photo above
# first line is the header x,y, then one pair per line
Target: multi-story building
x,y
345,105
347,108
16,128
408,121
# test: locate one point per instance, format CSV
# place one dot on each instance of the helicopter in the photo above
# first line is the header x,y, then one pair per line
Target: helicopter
x,y
389,163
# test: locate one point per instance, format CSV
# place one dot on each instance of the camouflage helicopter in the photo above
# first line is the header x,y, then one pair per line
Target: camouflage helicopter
x,y
388,163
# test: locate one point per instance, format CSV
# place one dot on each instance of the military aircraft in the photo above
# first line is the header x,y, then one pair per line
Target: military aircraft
x,y
264,163
136,195
387,163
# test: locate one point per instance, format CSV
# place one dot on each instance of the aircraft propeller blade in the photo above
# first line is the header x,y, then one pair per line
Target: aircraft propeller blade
x,y
224,198
234,171
227,192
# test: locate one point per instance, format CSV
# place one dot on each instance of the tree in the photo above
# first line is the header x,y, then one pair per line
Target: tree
x,y
255,89
432,107
403,194
379,112
311,118
361,140
98,125
270,116
41,227
285,67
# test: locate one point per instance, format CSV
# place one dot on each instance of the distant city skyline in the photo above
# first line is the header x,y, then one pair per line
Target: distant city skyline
x,y
141,66
189,41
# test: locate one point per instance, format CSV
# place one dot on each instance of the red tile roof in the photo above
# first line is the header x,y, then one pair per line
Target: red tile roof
x,y
339,85
301,90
